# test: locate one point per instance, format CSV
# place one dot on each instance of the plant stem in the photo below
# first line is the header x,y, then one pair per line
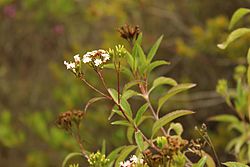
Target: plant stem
x,y
154,114
212,146
118,81
78,140
103,81
126,117
209,142
92,87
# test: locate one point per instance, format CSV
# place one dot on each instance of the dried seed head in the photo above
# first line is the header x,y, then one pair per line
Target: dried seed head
x,y
66,119
129,32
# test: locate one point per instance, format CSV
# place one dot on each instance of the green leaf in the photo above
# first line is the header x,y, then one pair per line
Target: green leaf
x,y
130,134
121,122
162,81
135,51
177,127
154,49
141,55
124,153
140,113
124,70
143,118
103,147
231,144
168,118
238,14
126,107
114,94
239,144
131,84
234,164
225,118
173,91
130,93
139,39
115,110
109,66
113,155
233,36
141,59
210,161
155,64
139,140
69,156
201,162
93,100
130,60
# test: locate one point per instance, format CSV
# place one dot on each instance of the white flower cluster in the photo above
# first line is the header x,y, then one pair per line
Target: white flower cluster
x,y
72,65
96,57
133,161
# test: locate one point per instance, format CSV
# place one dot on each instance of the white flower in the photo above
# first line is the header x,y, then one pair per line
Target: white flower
x,y
86,59
105,57
77,58
69,65
134,159
125,164
98,62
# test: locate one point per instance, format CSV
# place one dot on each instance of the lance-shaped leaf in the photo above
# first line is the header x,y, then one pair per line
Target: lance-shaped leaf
x,y
163,81
124,153
130,93
131,84
154,49
113,155
173,91
121,122
141,55
140,113
168,118
233,36
93,100
126,107
155,64
225,118
238,14
141,59
130,59
135,51
234,164
130,134
124,70
201,162
210,161
139,140
114,94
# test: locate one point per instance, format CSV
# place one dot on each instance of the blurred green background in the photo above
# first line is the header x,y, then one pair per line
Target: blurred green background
x,y
37,35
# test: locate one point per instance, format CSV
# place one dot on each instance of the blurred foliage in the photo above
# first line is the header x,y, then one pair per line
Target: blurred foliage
x,y
238,98
9,137
36,35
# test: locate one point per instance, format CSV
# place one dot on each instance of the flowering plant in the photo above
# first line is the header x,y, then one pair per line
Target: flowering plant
x,y
165,146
